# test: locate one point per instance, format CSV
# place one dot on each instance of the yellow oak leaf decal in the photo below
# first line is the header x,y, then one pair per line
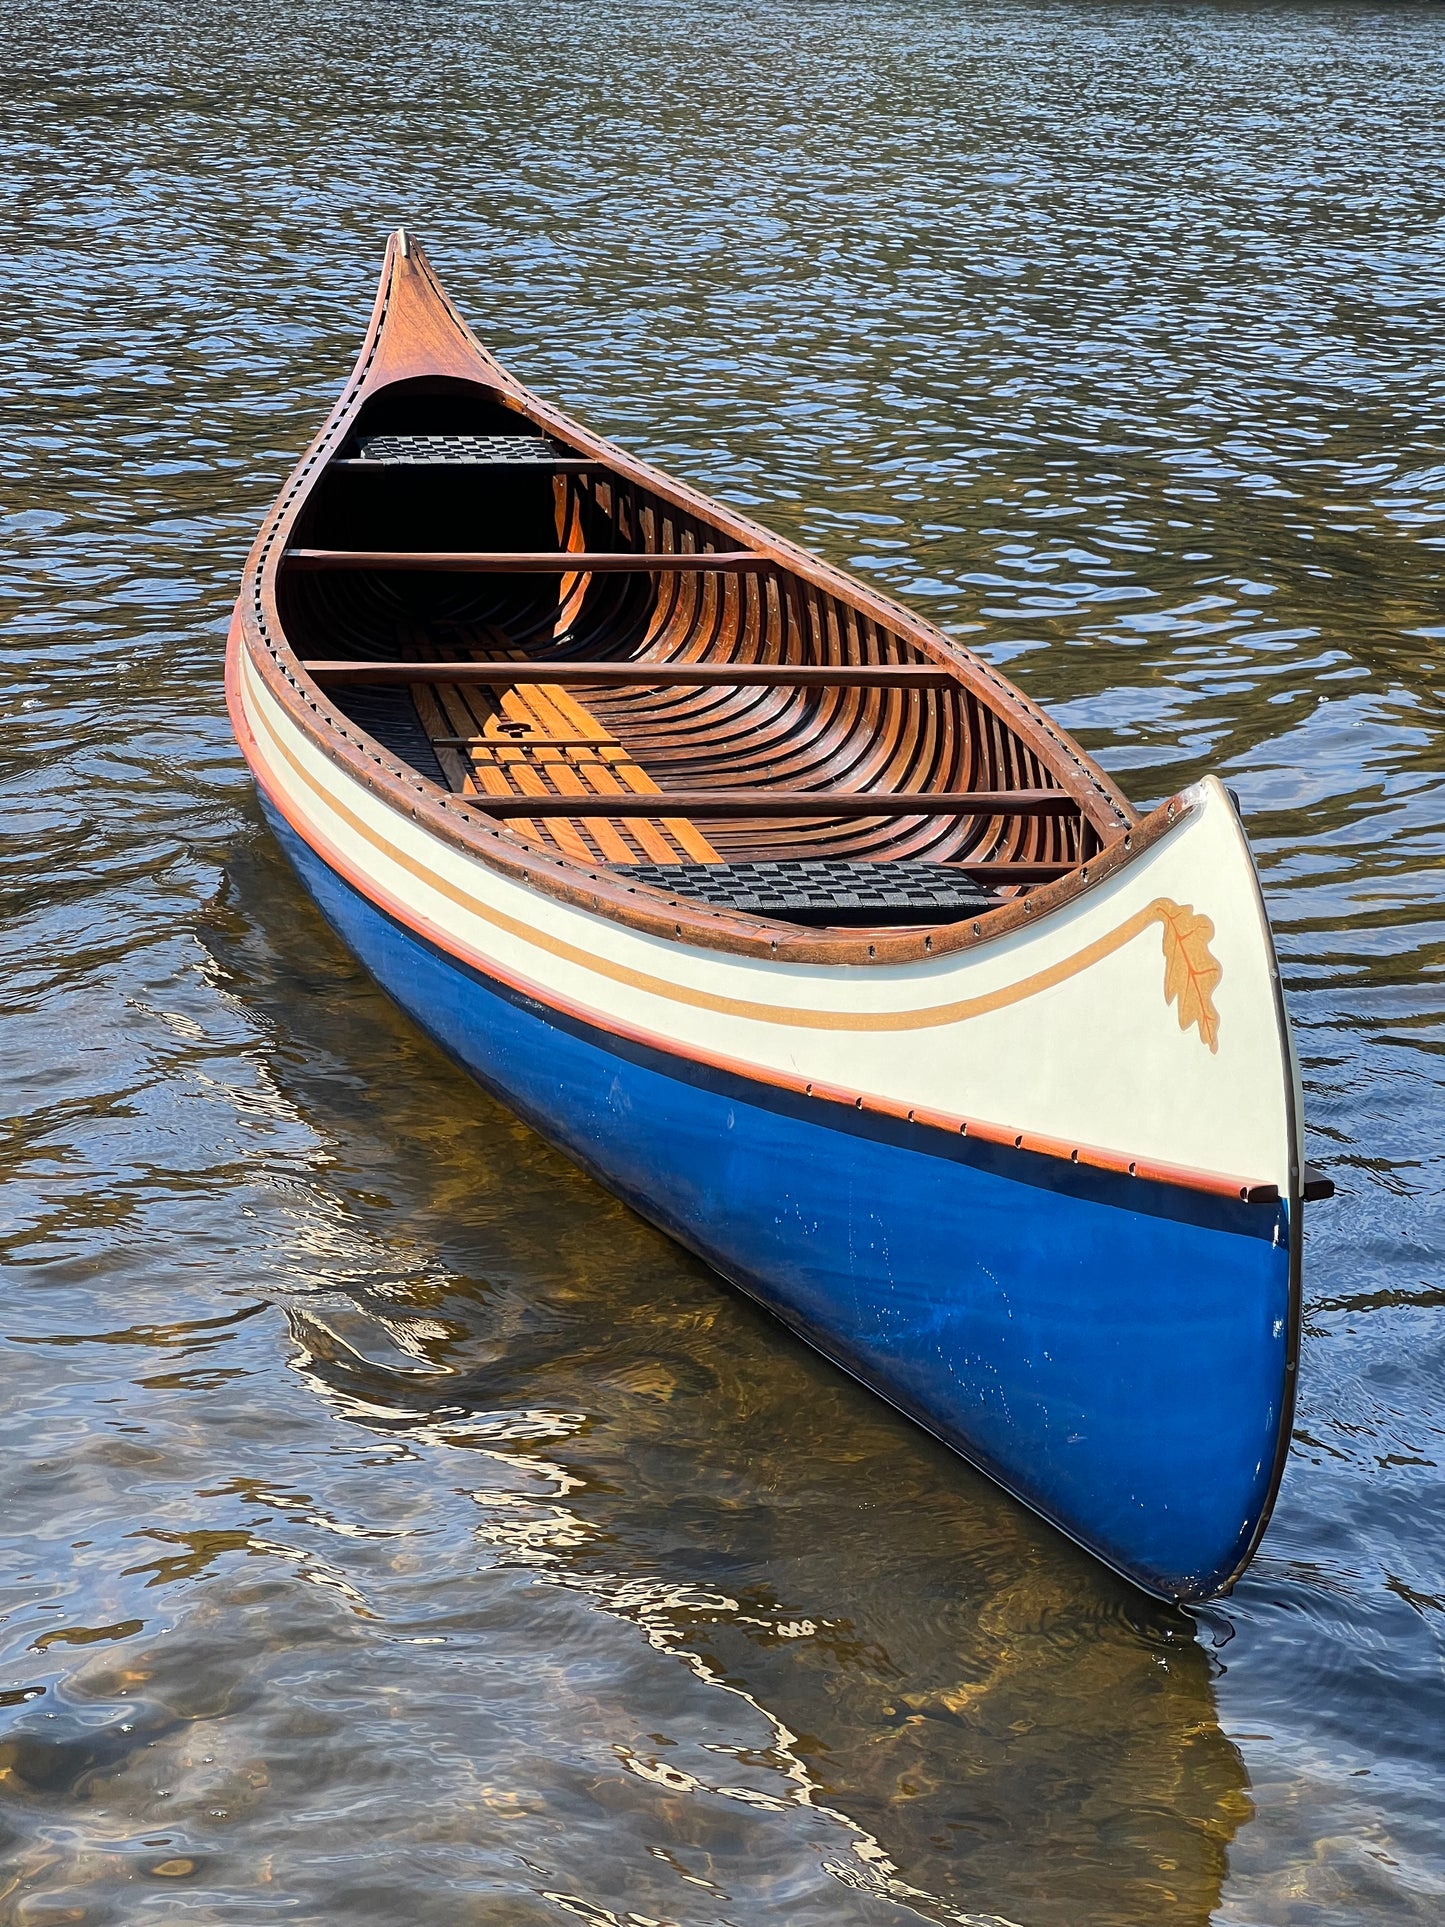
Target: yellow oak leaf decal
x,y
1191,969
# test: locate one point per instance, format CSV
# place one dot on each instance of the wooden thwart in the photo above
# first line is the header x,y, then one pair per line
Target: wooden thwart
x,y
645,675
536,561
544,464
1012,872
773,803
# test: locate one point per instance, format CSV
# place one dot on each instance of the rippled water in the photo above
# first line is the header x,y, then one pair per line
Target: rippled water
x,y
395,1528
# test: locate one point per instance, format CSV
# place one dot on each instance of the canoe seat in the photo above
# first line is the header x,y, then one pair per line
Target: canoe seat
x,y
538,740
828,891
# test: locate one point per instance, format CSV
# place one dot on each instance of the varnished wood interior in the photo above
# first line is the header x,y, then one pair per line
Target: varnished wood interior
x,y
551,738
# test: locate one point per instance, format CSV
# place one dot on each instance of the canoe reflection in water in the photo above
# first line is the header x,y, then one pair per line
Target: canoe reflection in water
x,y
621,1549
803,930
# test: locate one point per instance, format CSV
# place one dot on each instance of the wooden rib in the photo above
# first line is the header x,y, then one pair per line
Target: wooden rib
x,y
572,536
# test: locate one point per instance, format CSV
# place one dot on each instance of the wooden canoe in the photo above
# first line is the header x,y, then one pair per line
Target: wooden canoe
x,y
801,928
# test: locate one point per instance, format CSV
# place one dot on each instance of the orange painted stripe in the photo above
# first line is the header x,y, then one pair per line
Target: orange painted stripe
x,y
1215,1184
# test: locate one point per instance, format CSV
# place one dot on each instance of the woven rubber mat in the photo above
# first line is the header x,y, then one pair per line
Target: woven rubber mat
x,y
824,890
508,451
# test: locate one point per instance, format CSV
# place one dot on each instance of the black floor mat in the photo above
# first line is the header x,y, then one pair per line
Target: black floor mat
x,y
824,891
389,714
484,451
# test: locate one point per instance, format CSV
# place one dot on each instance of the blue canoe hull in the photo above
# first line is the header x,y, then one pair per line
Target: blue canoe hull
x,y
1113,1352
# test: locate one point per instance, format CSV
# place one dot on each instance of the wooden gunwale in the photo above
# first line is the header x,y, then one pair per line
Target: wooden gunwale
x,y
425,338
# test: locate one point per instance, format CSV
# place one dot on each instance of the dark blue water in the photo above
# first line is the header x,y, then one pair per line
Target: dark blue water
x,y
395,1529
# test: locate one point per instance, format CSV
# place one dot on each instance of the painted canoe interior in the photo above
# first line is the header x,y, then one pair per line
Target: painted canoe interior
x,y
449,469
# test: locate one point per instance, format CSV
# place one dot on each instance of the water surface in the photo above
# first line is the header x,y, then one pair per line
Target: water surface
x,y
395,1528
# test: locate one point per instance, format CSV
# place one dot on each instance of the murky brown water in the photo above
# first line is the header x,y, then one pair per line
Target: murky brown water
x,y
395,1529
